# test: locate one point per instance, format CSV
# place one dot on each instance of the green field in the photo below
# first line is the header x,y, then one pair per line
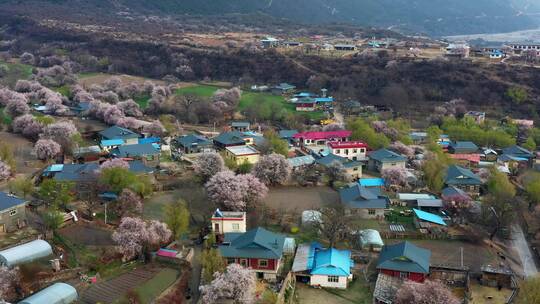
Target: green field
x,y
151,290
248,99
64,90
143,101
15,72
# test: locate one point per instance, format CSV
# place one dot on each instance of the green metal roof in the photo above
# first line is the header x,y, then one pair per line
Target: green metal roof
x,y
405,257
456,175
256,243
387,156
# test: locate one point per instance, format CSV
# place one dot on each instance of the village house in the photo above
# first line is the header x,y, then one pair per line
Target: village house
x,y
242,154
316,266
322,138
367,203
352,150
477,117
84,176
288,135
192,143
519,153
283,89
458,50
258,249
240,126
87,154
352,168
305,104
462,147
148,153
227,222
301,161
405,260
269,42
12,212
233,138
127,136
345,47
383,159
463,179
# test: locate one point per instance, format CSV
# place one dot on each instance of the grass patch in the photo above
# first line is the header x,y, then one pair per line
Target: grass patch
x,y
152,288
64,90
143,101
198,90
269,101
358,291
15,72
88,74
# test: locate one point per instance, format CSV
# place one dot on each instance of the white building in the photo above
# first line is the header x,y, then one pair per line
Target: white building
x,y
228,221
352,150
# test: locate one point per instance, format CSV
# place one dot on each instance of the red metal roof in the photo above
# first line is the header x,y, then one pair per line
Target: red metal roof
x,y
474,158
347,144
323,135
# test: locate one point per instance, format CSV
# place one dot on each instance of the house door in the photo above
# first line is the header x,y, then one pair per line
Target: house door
x,y
2,228
216,228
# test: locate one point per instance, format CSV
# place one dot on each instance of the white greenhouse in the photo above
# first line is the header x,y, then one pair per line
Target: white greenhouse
x,y
58,293
25,253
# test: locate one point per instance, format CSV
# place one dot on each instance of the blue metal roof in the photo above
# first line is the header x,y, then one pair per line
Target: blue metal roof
x,y
301,161
115,132
286,134
429,217
55,168
58,293
360,197
456,175
149,140
112,142
8,201
324,99
332,262
371,182
137,150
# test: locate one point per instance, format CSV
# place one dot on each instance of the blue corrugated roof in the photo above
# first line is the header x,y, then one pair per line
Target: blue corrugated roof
x,y
255,243
112,142
332,262
429,217
404,256
115,132
324,99
149,140
136,150
9,201
55,168
371,182
385,155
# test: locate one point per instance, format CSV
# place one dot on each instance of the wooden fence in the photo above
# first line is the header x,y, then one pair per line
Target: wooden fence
x,y
286,292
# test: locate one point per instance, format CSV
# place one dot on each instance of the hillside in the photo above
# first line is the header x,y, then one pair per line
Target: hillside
x,y
435,17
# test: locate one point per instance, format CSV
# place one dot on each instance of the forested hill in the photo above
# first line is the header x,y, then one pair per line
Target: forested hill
x,y
436,17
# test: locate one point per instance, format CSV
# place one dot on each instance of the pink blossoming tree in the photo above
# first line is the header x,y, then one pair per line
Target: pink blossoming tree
x,y
47,149
236,283
208,164
429,292
235,192
272,169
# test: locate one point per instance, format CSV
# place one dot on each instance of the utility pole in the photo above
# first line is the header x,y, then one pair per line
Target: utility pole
x,y
461,252
106,213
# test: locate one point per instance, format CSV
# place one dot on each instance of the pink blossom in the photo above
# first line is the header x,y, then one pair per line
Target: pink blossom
x,y
235,192
5,171
429,292
237,284
17,107
208,164
47,149
130,108
272,169
114,163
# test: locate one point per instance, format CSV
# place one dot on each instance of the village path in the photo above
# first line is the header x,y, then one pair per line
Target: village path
x,y
196,269
522,247
338,117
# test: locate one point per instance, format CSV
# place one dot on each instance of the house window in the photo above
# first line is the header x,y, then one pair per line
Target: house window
x,y
393,164
333,279
371,211
231,261
338,151
362,150
346,151
263,263
236,227
244,262
403,275
12,212
355,150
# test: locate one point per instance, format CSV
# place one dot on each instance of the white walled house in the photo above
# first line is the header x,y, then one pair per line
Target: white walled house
x,y
352,150
228,222
321,267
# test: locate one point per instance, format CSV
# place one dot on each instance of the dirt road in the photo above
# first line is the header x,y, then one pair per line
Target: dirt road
x,y
522,247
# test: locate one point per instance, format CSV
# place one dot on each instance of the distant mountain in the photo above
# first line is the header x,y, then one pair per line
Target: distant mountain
x,y
435,17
